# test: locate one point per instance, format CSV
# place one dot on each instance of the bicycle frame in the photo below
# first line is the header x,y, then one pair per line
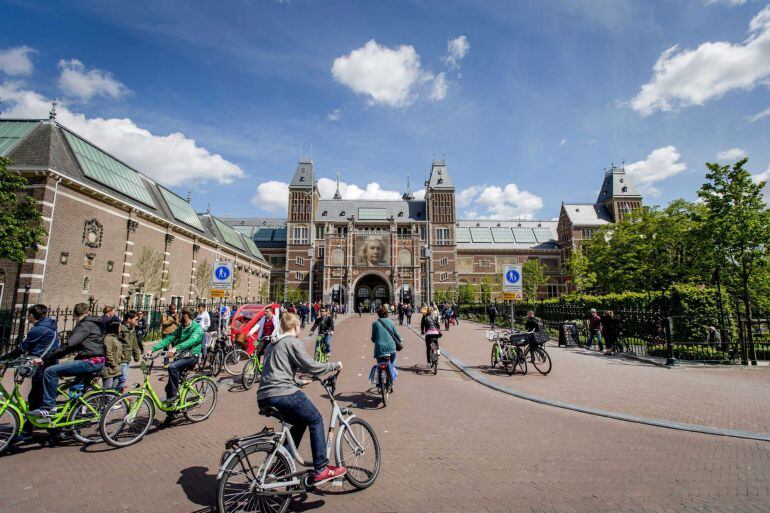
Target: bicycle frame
x,y
146,390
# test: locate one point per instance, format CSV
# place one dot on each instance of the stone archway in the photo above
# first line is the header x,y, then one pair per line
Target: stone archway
x,y
371,289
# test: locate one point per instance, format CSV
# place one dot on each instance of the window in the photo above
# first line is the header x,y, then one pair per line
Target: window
x,y
278,262
404,232
300,261
142,301
443,276
405,258
442,236
298,275
587,233
319,231
86,283
443,262
422,251
423,233
300,235
342,230
553,289
321,251
338,257
176,301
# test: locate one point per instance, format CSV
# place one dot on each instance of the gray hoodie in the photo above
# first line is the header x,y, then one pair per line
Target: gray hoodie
x,y
285,356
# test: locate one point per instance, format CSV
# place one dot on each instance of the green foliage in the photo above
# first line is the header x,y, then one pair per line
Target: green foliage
x,y
578,267
295,295
689,352
467,293
534,278
21,222
443,296
485,289
264,290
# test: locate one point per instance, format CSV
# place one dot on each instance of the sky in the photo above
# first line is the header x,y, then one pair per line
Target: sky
x,y
527,102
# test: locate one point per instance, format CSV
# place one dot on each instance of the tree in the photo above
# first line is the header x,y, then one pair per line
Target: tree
x,y
467,293
148,273
534,278
264,290
202,284
295,295
486,287
442,296
739,223
21,222
583,278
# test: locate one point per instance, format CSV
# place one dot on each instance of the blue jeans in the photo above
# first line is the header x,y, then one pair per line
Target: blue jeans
x,y
123,376
83,369
597,334
300,412
175,374
326,340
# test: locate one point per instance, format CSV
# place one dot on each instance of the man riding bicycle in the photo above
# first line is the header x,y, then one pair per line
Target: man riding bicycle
x,y
325,325
267,327
186,344
279,389
87,338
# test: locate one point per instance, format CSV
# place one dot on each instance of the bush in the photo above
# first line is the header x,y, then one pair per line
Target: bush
x,y
689,352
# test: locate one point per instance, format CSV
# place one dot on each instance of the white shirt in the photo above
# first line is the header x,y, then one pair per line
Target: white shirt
x,y
261,324
204,320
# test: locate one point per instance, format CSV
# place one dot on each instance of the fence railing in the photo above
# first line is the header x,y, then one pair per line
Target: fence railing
x,y
648,332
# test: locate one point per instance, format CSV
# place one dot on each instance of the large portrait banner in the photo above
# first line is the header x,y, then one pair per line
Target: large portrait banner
x,y
373,250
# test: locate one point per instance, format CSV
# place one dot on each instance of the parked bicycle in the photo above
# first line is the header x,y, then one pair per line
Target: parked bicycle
x,y
78,414
506,352
128,417
534,350
259,472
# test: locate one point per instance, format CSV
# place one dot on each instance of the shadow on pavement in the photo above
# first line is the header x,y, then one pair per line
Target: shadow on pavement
x,y
363,400
199,486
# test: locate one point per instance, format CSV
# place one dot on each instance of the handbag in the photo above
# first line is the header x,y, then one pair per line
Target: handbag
x,y
399,344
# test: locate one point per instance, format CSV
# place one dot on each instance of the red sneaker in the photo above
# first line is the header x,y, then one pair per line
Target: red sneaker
x,y
328,473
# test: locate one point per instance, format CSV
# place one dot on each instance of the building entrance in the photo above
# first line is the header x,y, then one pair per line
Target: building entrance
x,y
371,291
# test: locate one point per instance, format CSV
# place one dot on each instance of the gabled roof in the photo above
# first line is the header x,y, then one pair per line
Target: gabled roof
x,y
587,214
303,176
617,184
370,210
439,177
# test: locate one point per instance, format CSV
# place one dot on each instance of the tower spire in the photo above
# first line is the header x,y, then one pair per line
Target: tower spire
x,y
337,194
52,114
408,194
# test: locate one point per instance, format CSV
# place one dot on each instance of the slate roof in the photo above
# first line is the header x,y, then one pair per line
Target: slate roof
x,y
264,231
340,210
475,235
616,184
587,214
439,177
47,146
303,175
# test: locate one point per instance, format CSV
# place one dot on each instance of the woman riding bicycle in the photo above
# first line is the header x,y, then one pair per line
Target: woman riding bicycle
x,y
279,389
384,337
430,326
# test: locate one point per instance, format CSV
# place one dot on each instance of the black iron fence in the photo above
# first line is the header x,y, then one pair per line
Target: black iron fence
x,y
13,323
649,332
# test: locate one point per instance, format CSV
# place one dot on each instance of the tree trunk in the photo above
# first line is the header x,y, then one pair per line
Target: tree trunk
x,y
747,304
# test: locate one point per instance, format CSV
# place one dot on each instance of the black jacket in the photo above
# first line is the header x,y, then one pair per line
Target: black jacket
x,y
87,338
324,325
532,324
428,322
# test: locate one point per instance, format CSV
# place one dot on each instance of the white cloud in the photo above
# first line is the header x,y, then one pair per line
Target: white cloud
x,y
683,78
733,154
456,49
16,61
764,177
334,115
387,76
438,92
77,82
466,196
759,115
272,196
659,165
492,202
171,159
726,2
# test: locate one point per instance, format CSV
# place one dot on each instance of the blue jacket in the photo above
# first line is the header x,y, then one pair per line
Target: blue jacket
x,y
40,336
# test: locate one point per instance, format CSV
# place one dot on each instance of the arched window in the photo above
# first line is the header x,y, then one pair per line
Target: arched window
x,y
380,292
338,257
405,258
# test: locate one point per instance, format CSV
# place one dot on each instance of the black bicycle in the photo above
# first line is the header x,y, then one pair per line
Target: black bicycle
x,y
434,353
384,380
534,350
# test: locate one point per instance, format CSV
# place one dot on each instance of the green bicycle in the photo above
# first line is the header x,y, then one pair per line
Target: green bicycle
x,y
321,355
251,371
128,417
79,414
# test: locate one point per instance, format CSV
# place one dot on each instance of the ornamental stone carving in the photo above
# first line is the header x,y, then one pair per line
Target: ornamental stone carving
x,y
92,233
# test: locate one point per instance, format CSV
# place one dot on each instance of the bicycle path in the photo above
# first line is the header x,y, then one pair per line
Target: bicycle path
x,y
720,400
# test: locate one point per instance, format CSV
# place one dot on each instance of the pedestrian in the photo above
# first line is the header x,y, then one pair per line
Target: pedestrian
x,y
532,323
715,339
595,330
448,313
408,311
169,322
108,316
456,314
492,314
141,329
114,355
130,345
610,332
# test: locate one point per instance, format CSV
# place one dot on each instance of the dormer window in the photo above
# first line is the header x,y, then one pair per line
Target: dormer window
x,y
342,214
624,189
301,178
440,180
621,180
324,213
401,213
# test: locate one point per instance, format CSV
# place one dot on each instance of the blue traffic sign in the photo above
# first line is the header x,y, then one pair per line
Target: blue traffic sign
x,y
222,273
512,276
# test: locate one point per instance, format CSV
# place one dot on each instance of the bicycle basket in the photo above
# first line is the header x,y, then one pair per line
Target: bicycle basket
x,y
492,335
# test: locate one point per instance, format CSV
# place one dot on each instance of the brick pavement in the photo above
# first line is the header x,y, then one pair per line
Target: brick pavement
x,y
722,396
448,443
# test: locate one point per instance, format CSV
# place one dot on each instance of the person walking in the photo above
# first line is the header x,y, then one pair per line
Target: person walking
x,y
492,314
114,354
408,311
400,314
130,345
611,333
169,322
594,330
141,329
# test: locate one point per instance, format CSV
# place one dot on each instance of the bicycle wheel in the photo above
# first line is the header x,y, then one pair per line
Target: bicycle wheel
x,y
9,427
358,450
87,411
509,361
234,360
383,384
216,362
434,360
250,374
203,391
521,362
235,493
542,361
126,419
495,358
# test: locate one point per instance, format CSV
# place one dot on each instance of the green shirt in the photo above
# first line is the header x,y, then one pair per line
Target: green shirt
x,y
383,340
184,338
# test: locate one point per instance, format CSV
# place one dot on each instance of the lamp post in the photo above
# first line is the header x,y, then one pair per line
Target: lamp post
x,y
310,254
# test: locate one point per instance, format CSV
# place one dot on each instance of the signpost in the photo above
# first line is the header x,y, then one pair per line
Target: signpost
x,y
221,285
512,287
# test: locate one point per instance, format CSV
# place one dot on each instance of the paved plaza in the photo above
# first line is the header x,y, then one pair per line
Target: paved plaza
x,y
452,444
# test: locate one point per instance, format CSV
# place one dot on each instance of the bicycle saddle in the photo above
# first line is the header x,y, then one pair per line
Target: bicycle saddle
x,y
270,411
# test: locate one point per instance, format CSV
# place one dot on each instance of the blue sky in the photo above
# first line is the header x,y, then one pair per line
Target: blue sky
x,y
527,102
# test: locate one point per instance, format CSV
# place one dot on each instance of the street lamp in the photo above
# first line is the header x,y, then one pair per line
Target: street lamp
x,y
310,254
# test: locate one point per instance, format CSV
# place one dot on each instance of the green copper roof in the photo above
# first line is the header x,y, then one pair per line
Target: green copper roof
x,y
12,131
106,170
181,210
253,247
231,236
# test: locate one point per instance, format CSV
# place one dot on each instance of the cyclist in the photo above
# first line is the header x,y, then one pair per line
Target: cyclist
x,y
268,326
87,338
278,388
186,344
384,338
431,328
325,325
